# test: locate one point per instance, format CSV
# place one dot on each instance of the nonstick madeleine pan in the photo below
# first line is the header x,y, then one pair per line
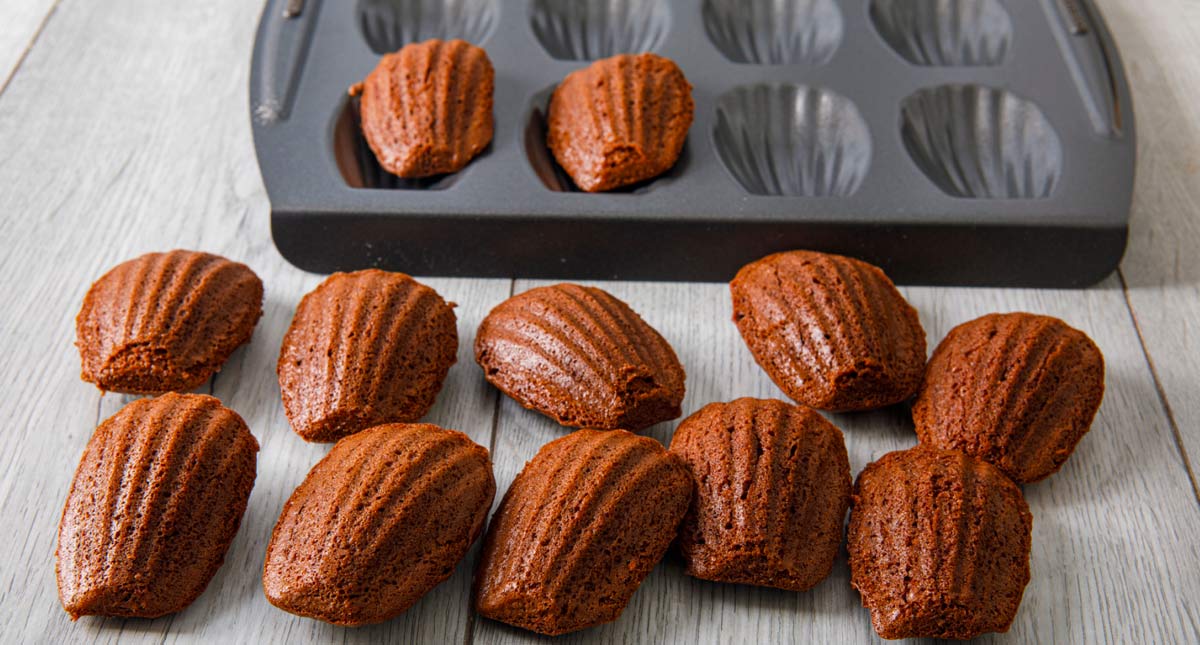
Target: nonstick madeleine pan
x,y
953,142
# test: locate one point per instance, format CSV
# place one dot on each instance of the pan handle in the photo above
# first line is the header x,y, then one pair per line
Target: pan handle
x,y
1080,35
280,50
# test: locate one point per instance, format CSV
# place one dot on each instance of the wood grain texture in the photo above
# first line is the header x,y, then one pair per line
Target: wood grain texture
x,y
1112,548
125,130
1161,266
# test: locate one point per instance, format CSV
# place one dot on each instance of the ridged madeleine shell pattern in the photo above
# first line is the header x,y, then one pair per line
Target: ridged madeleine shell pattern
x,y
427,109
156,501
773,485
774,32
388,25
1017,390
981,142
381,520
365,348
831,331
939,545
581,357
620,120
165,321
945,32
592,29
781,139
579,529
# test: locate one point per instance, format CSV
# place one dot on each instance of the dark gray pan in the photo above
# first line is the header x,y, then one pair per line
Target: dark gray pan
x,y
974,142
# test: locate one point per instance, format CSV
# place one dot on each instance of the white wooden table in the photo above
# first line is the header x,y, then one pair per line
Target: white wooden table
x,y
124,129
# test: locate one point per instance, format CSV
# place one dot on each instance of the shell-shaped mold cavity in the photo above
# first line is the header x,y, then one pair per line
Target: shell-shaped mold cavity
x,y
155,503
833,332
620,121
364,348
388,25
166,321
939,545
426,110
541,160
594,29
1016,390
581,357
773,486
579,529
945,32
774,32
981,142
381,520
780,139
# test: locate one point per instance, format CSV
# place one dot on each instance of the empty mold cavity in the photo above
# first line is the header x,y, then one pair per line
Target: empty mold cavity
x,y
981,142
790,140
944,32
552,175
594,29
774,32
360,168
388,25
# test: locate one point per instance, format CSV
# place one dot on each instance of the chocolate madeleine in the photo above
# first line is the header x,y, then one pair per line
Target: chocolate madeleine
x,y
427,109
155,503
365,348
379,522
1016,390
579,529
939,545
620,120
831,331
773,486
165,321
581,357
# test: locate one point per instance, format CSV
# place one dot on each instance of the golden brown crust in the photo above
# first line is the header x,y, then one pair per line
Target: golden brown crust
x,y
581,357
1017,390
831,331
579,529
620,120
939,545
773,486
427,109
155,503
165,321
365,348
381,520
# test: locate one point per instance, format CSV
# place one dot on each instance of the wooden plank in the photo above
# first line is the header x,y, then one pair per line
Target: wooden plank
x,y
49,415
1160,267
143,169
1113,553
22,21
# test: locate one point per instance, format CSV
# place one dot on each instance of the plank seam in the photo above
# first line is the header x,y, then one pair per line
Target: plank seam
x,y
29,47
1158,387
512,287
469,635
